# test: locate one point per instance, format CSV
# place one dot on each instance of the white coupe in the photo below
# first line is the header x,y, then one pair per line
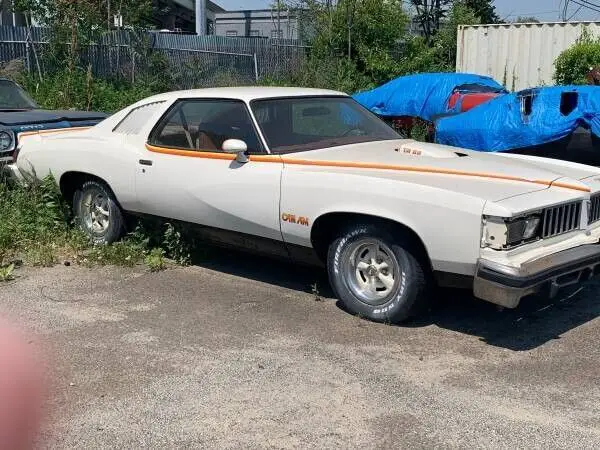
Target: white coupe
x,y
310,175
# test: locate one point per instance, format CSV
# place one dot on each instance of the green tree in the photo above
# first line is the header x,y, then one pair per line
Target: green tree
x,y
74,25
484,10
375,46
445,41
429,14
574,64
365,32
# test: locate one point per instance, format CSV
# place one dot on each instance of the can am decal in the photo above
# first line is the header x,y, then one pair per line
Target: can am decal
x,y
291,218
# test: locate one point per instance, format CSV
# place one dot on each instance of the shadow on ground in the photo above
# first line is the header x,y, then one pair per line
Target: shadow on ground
x,y
536,321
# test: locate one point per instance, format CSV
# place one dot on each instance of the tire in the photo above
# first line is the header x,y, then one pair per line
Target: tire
x,y
98,213
393,294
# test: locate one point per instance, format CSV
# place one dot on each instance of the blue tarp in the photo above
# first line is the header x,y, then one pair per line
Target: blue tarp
x,y
501,124
423,95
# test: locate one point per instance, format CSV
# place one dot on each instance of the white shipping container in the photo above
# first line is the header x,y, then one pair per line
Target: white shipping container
x,y
518,55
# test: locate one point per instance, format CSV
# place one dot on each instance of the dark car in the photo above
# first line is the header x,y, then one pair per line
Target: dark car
x,y
19,113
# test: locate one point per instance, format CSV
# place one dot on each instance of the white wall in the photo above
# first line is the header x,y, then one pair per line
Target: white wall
x,y
518,55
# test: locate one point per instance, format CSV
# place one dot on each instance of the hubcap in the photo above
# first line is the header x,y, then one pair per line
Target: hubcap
x,y
371,271
95,212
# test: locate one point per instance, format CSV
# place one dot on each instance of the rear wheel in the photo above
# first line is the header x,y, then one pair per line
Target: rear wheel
x,y
376,275
98,213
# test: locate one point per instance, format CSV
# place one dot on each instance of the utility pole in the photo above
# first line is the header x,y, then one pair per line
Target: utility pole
x,y
200,17
278,19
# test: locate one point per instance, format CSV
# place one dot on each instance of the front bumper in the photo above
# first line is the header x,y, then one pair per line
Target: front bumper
x,y
506,286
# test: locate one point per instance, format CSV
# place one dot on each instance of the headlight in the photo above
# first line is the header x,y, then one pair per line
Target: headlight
x,y
7,140
501,233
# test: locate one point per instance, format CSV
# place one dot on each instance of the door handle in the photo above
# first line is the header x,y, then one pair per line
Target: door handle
x,y
145,162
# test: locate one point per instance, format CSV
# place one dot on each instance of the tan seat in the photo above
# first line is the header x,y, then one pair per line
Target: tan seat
x,y
205,143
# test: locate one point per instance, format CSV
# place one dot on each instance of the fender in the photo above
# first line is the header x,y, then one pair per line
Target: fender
x,y
427,211
115,167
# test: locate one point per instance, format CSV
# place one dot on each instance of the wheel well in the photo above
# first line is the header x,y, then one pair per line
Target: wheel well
x,y
70,181
328,226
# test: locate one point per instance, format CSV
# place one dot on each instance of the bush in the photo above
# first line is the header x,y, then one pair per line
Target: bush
x,y
573,65
155,260
338,74
80,90
31,218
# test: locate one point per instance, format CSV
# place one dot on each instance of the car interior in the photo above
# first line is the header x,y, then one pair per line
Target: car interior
x,y
192,129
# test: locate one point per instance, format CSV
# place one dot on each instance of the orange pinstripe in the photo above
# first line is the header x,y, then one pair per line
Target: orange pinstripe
x,y
55,130
361,165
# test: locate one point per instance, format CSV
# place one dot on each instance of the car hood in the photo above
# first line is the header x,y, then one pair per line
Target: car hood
x,y
41,116
483,175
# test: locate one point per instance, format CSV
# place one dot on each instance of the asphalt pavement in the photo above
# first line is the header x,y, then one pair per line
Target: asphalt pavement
x,y
244,352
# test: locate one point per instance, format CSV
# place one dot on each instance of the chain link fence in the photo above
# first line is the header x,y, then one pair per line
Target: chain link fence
x,y
192,61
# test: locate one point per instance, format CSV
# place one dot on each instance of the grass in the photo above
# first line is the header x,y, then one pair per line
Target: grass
x,y
36,227
155,260
6,272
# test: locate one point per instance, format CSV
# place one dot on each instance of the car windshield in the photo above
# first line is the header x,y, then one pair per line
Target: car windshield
x,y
297,124
13,97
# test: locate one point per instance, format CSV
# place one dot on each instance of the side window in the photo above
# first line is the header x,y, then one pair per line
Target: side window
x,y
137,118
203,125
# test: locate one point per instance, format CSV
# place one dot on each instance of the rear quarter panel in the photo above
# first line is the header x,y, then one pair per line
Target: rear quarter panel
x,y
448,223
105,157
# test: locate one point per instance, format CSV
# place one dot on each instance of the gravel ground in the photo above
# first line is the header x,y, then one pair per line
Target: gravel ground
x,y
245,354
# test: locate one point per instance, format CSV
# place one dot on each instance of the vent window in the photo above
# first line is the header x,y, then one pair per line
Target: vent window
x,y
137,118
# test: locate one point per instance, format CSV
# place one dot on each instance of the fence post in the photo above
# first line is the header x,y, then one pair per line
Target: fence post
x,y
255,67
27,57
132,56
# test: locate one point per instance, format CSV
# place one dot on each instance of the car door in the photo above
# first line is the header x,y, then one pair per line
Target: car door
x,y
185,174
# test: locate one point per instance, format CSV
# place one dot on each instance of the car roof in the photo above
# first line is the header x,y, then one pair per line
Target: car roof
x,y
245,93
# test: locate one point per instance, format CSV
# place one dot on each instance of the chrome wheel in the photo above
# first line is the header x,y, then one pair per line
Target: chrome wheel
x,y
371,271
95,211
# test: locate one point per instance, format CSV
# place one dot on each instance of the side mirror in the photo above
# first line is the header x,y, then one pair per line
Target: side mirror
x,y
238,147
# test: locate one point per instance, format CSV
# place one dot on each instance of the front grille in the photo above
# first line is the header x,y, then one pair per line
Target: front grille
x,y
594,209
561,219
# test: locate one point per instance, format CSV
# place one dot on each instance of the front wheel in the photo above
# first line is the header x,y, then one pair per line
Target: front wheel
x,y
376,276
98,213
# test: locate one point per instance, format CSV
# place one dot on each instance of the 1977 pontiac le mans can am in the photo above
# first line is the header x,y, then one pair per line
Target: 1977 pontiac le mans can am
x,y
311,175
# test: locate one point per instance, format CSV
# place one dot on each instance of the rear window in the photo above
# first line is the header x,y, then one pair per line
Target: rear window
x,y
137,118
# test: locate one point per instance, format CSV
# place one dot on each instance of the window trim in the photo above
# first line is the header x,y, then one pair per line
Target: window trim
x,y
261,151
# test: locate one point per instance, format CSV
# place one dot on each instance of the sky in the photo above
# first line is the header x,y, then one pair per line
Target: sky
x,y
545,10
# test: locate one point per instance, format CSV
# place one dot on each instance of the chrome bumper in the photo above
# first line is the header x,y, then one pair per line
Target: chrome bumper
x,y
506,286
